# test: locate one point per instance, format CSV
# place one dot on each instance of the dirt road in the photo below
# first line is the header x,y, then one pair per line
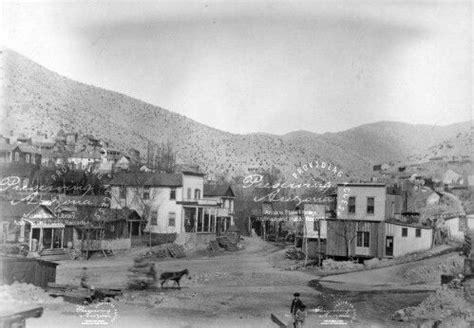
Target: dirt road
x,y
238,289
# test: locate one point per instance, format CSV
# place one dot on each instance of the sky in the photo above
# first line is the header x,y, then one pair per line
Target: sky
x,y
262,66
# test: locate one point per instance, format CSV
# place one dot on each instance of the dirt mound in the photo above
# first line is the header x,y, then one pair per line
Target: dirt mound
x,y
331,265
431,272
444,305
18,294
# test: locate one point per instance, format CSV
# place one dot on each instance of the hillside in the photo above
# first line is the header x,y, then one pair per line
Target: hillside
x,y
38,100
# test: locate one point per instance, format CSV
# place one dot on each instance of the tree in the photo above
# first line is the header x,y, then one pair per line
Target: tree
x,y
140,196
161,157
344,229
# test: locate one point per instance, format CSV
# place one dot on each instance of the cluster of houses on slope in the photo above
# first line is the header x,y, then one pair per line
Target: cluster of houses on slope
x,y
86,153
164,206
366,220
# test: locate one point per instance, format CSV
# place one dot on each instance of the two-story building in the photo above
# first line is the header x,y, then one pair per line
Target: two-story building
x,y
224,196
366,224
173,202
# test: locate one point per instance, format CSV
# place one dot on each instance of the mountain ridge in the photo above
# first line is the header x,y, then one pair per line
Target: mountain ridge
x,y
37,100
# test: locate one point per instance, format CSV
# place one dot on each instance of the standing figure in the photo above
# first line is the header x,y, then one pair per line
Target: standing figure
x,y
295,305
300,316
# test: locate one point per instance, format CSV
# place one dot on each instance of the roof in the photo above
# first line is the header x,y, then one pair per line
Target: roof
x,y
28,149
6,147
361,184
84,154
410,225
147,179
223,190
105,214
9,212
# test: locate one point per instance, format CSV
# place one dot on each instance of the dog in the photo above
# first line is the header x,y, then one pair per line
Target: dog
x,y
175,276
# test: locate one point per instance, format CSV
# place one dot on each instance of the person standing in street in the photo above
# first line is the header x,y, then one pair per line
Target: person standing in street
x,y
300,316
295,305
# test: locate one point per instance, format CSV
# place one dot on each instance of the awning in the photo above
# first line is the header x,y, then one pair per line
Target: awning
x,y
45,224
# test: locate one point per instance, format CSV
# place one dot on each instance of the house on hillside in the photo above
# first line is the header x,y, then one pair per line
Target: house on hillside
x,y
123,163
451,178
19,154
84,160
381,167
6,155
439,159
433,199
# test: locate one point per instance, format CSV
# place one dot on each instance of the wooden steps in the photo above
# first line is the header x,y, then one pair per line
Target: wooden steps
x,y
55,254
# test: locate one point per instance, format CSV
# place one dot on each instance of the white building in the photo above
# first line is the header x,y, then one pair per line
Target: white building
x,y
402,238
173,203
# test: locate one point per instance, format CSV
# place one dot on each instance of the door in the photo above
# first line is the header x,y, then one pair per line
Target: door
x,y
389,246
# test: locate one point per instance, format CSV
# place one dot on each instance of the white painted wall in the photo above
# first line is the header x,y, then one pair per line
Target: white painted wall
x,y
193,182
315,212
159,200
361,193
453,229
409,244
470,221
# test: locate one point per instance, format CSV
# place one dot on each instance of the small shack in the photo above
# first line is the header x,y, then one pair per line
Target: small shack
x,y
27,270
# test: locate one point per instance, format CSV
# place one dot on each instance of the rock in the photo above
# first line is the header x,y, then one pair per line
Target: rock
x,y
453,322
429,324
400,315
371,263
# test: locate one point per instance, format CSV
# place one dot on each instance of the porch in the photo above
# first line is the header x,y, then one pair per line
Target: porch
x,y
204,220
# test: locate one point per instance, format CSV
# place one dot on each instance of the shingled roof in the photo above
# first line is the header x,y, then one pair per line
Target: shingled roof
x,y
222,190
147,179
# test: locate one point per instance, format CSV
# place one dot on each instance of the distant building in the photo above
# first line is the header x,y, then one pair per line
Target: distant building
x,y
433,199
84,160
123,163
452,178
439,159
19,154
381,167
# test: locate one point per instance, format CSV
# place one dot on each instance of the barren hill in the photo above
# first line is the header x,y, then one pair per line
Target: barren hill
x,y
38,100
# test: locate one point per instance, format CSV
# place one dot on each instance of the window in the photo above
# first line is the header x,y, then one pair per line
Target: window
x,y
189,193
154,218
370,205
17,157
363,239
172,219
392,211
197,194
418,233
123,192
146,193
33,159
404,232
27,158
352,205
316,225
173,194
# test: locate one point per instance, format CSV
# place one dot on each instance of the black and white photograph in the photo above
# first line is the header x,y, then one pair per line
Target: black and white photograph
x,y
213,163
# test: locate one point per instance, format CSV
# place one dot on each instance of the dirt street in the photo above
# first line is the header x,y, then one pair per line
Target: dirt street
x,y
238,289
